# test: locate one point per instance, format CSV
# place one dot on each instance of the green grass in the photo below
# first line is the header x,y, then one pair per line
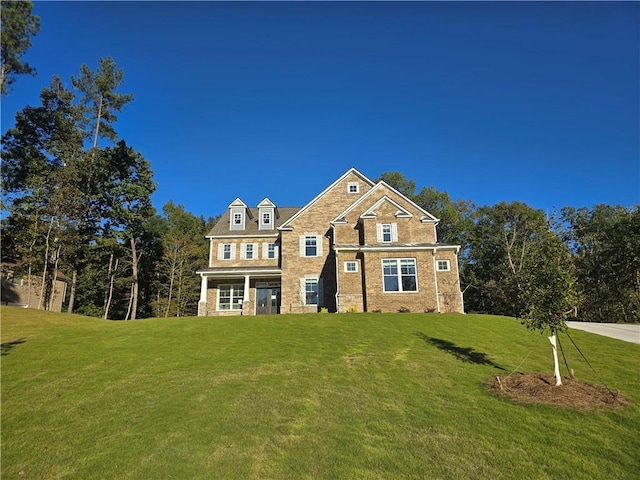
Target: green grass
x,y
349,396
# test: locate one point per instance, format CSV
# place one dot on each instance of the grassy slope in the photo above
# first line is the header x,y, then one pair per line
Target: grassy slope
x,y
307,396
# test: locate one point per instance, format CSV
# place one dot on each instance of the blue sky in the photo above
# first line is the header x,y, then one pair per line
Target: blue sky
x,y
536,102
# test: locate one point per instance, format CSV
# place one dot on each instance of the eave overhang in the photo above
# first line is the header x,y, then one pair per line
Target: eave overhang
x,y
405,247
240,272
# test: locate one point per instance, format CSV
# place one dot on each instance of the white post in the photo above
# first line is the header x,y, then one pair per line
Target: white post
x,y
556,365
203,288
245,297
202,304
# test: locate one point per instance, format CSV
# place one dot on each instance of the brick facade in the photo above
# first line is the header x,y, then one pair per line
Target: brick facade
x,y
337,246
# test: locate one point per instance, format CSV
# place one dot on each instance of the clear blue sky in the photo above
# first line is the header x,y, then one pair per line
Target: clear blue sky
x,y
536,102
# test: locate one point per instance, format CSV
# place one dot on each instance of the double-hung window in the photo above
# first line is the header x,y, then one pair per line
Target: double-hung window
x,y
271,250
310,245
248,253
387,232
226,251
311,291
399,275
230,297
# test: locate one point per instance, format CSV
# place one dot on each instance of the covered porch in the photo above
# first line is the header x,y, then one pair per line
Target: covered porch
x,y
239,291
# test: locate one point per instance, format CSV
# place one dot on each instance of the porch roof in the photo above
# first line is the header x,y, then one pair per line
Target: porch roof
x,y
239,272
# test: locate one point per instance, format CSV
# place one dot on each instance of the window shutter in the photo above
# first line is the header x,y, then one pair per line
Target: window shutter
x,y
379,232
243,251
318,245
265,250
303,291
220,251
233,251
394,232
302,246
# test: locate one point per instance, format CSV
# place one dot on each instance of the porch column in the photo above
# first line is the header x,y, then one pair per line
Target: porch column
x,y
202,304
246,289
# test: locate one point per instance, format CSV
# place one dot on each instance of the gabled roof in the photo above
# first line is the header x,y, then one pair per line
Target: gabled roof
x,y
308,205
402,212
266,203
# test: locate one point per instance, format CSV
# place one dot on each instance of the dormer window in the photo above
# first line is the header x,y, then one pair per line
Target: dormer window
x,y
238,215
267,214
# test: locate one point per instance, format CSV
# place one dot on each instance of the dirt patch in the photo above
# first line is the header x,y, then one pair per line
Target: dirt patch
x,y
541,388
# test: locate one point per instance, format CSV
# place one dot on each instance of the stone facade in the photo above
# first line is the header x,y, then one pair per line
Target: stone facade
x,y
357,246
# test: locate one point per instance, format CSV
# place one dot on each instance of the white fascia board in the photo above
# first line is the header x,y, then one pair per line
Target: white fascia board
x,y
238,272
342,177
402,212
244,237
266,203
422,210
237,203
397,248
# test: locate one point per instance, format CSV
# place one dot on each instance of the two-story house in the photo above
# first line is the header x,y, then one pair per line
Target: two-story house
x,y
357,246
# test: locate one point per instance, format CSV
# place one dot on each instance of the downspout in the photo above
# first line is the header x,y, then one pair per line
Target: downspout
x,y
435,281
458,271
333,229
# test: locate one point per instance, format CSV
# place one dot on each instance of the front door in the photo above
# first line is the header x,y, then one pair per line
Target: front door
x,y
267,300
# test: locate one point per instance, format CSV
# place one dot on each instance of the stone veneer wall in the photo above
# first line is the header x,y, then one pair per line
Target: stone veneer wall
x,y
316,220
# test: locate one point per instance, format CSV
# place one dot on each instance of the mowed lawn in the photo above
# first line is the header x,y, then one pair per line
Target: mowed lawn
x,y
349,396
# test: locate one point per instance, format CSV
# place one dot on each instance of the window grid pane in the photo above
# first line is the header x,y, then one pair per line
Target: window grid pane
x,y
311,247
403,279
311,291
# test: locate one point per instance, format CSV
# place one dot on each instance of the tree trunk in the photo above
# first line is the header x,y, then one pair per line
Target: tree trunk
x,y
46,266
112,276
72,291
171,277
134,285
95,137
130,302
54,278
556,364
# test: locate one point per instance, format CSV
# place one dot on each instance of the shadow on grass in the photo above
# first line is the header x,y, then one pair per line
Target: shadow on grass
x,y
464,354
7,346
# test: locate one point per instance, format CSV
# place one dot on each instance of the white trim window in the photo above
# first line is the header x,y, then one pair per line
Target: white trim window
x,y
266,218
351,266
230,297
269,251
399,275
310,245
311,291
387,232
249,251
443,265
353,187
226,251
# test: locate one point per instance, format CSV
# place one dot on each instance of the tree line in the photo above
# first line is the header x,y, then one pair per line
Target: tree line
x,y
76,198
517,261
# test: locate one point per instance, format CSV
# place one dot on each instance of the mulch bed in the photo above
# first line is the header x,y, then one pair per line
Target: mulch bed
x,y
541,388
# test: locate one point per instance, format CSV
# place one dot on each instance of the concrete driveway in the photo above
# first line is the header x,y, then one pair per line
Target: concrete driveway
x,y
628,333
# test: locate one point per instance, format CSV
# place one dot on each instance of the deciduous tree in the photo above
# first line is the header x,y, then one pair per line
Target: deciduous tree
x,y
18,26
